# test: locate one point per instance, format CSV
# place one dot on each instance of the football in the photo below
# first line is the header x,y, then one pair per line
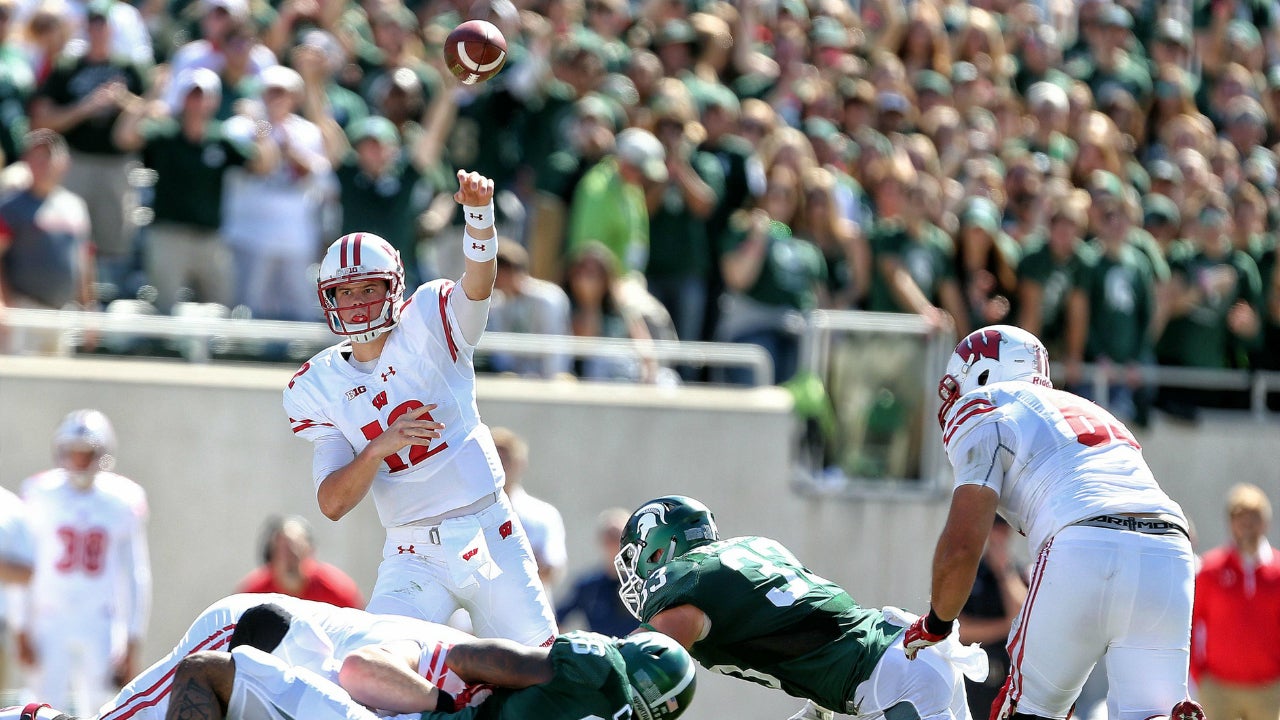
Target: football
x,y
475,51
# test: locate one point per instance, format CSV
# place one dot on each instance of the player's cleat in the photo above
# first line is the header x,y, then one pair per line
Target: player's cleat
x,y
1187,710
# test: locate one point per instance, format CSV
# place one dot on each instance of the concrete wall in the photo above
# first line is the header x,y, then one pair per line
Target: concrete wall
x,y
213,449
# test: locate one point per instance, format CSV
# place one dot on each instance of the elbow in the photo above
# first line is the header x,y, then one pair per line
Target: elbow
x,y
332,508
356,670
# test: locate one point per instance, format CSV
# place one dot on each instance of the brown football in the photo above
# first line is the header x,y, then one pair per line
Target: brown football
x,y
475,51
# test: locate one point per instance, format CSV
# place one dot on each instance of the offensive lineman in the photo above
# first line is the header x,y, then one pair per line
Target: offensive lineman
x,y
581,675
90,593
1114,567
746,607
392,410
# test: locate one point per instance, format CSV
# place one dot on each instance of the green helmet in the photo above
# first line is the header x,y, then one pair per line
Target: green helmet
x,y
660,673
659,532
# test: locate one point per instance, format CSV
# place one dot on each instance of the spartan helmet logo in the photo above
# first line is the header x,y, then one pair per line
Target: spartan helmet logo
x,y
649,518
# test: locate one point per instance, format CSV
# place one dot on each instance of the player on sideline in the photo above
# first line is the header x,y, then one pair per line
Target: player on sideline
x,y
1114,567
581,675
746,607
90,591
392,410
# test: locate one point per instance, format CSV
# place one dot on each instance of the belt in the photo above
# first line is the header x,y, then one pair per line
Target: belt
x,y
1159,525
432,524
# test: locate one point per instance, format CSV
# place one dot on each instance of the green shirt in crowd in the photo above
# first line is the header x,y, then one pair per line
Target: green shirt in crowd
x,y
791,271
679,241
1055,277
926,255
1120,292
1201,338
612,212
75,78
189,174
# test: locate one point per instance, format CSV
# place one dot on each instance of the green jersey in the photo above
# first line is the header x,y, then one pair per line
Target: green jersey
x,y
590,681
772,620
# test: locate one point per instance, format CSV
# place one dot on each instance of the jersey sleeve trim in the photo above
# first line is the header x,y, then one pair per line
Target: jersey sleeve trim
x,y
976,406
445,292
300,426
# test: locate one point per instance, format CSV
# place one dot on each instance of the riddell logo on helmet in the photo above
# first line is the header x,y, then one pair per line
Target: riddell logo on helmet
x,y
981,344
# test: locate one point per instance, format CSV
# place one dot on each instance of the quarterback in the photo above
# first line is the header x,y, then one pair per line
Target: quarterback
x,y
392,411
1114,567
746,607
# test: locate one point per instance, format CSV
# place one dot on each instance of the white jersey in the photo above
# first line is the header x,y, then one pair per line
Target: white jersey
x,y
320,636
91,557
426,360
1054,458
16,544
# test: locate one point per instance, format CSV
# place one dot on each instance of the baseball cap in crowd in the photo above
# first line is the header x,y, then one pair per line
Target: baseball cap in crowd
x,y
395,14
718,96
892,102
1116,16
1106,184
595,106
1158,209
1172,30
1165,170
374,127
857,90
279,76
795,8
1243,34
202,79
1245,109
674,32
639,148
828,32
820,128
963,72
932,81
1047,94
99,8
235,8
982,213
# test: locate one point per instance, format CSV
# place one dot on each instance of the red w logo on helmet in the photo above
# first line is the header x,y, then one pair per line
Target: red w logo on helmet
x,y
980,344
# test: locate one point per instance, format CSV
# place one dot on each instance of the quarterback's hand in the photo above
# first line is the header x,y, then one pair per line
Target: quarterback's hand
x,y
918,636
473,189
412,428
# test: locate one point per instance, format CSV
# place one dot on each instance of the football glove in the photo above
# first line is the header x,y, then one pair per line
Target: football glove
x,y
921,634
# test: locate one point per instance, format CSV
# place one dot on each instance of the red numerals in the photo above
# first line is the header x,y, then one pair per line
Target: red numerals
x,y
81,551
417,453
1092,429
305,367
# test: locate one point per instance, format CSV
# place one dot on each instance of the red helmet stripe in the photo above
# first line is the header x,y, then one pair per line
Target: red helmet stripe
x,y
355,250
342,253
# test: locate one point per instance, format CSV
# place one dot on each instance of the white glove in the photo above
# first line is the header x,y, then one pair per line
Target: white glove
x,y
812,711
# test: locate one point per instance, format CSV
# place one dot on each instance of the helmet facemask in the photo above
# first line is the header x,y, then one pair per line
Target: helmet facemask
x,y
659,532
355,258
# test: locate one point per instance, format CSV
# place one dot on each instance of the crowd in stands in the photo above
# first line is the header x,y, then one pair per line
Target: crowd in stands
x,y
1102,173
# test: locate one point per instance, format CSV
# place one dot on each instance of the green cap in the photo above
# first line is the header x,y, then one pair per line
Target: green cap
x,y
375,127
99,8
1243,33
828,32
796,8
1273,77
1116,16
981,212
933,81
821,128
1157,209
715,95
595,106
1106,183
676,31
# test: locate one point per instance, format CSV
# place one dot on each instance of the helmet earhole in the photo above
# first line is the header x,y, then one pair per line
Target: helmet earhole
x,y
982,379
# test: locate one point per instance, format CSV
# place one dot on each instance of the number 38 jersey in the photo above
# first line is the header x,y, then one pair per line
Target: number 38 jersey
x,y
426,360
773,621
1053,457
589,681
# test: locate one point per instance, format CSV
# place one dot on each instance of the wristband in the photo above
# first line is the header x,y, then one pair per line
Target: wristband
x,y
479,217
935,624
479,250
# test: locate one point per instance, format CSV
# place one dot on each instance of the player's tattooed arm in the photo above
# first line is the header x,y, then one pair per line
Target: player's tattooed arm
x,y
201,687
500,662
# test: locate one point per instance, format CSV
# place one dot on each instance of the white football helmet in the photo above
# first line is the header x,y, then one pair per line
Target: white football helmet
x,y
352,258
992,354
84,430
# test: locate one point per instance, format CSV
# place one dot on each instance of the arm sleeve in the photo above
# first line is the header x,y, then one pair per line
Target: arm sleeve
x,y
471,315
137,563
331,452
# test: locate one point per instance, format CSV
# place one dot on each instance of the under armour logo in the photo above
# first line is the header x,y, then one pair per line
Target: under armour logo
x,y
476,216
477,246
404,550
390,371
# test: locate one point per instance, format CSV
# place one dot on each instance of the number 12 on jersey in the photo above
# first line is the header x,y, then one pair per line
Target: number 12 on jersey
x,y
417,453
